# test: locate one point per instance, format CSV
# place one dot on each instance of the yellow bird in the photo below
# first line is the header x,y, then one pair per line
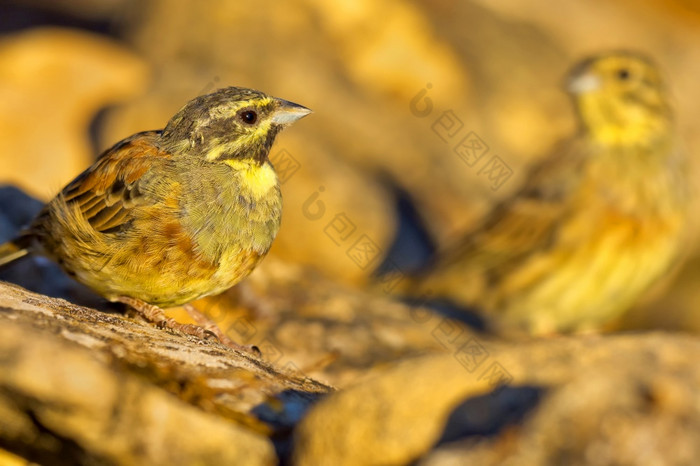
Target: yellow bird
x,y
166,217
594,226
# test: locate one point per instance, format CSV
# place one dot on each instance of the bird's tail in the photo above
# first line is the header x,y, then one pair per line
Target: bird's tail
x,y
11,251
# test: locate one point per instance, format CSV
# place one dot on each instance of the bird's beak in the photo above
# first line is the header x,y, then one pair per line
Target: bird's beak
x,y
288,112
582,83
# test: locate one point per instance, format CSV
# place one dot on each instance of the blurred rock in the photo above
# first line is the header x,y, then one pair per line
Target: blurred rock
x,y
17,210
615,419
80,386
518,71
8,459
52,84
626,399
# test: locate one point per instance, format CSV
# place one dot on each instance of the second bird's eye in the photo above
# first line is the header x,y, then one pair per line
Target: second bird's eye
x,y
248,117
623,74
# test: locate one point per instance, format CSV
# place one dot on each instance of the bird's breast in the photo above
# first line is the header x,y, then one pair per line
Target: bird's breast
x,y
233,210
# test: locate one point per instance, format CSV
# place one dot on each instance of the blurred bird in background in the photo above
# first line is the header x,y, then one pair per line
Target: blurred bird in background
x,y
593,226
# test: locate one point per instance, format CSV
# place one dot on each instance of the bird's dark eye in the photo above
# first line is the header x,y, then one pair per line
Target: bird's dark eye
x,y
248,117
623,74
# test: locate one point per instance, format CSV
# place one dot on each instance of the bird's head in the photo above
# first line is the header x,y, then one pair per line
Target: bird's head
x,y
620,98
230,124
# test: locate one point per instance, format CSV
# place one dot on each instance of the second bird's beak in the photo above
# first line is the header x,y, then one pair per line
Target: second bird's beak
x,y
582,83
288,112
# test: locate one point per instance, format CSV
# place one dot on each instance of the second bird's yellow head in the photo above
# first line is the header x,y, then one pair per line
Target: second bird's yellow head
x,y
621,99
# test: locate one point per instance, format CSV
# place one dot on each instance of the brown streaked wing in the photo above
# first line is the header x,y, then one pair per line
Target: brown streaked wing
x,y
526,221
109,189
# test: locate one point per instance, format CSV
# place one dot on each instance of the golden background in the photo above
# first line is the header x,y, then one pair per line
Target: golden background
x,y
498,67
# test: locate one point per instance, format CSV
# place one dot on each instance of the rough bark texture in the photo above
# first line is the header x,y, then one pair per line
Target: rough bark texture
x,y
82,386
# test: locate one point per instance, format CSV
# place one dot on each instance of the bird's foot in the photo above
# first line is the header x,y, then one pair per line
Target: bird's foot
x,y
157,316
209,325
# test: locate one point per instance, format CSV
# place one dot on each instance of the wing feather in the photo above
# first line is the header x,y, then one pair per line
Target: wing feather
x,y
107,191
523,223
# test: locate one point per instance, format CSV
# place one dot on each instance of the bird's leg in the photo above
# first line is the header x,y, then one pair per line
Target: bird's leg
x,y
210,326
156,315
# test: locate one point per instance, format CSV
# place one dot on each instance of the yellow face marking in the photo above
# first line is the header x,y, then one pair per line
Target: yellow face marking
x,y
256,179
250,139
220,148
